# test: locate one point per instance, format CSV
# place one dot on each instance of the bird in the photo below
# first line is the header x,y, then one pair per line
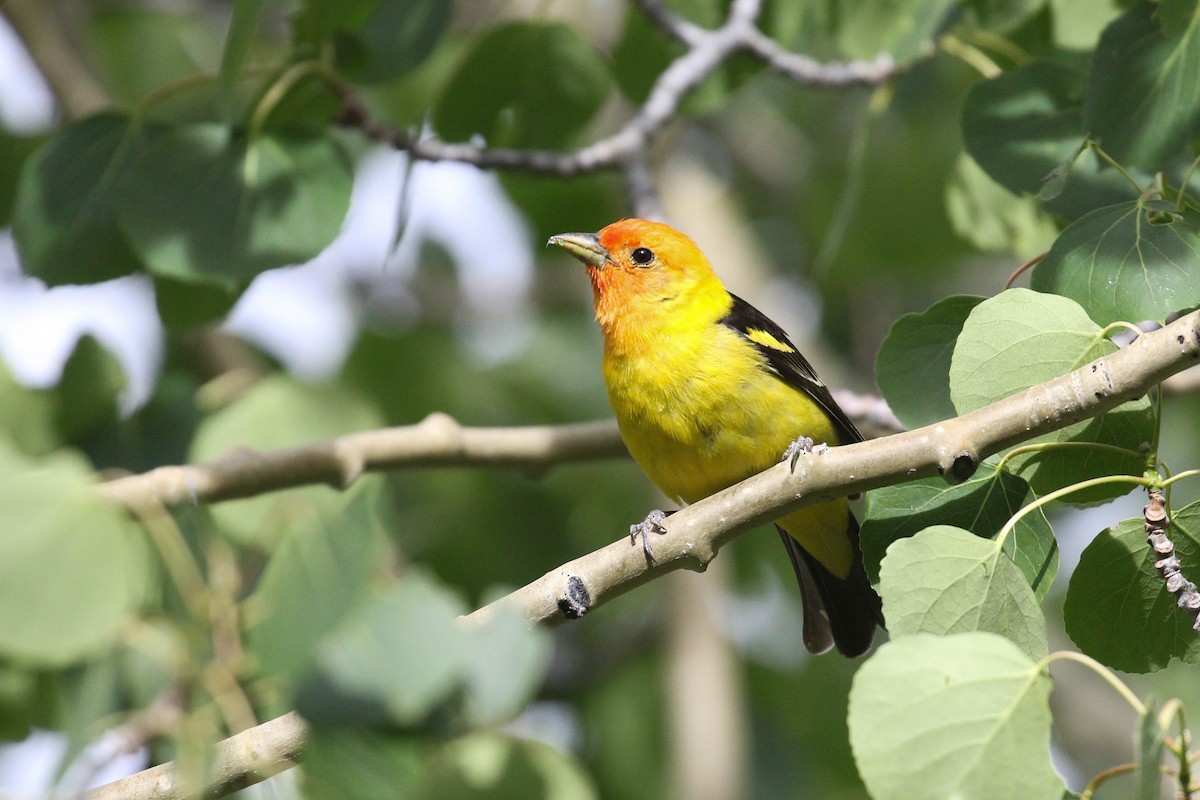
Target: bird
x,y
708,391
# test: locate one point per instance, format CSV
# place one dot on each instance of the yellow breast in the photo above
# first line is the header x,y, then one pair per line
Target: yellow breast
x,y
701,413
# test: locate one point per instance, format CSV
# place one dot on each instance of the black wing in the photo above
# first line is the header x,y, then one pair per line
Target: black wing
x,y
785,360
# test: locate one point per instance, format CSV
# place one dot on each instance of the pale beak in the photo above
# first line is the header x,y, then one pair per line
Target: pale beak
x,y
584,246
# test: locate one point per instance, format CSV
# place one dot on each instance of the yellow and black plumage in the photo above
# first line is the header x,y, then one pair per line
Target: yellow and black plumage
x,y
709,391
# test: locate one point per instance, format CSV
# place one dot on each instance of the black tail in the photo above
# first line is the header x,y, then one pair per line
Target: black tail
x,y
852,609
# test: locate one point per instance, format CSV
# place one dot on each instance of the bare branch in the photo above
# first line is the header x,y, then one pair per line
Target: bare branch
x,y
671,23
807,70
707,50
437,441
242,760
639,185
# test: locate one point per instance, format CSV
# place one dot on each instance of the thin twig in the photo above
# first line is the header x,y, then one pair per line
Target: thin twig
x,y
707,50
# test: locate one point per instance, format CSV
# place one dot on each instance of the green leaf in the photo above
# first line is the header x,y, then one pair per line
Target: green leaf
x,y
913,365
1119,265
238,207
947,580
242,27
349,764
395,36
88,694
138,49
312,580
277,413
1021,338
92,379
991,217
26,416
396,658
1176,15
1024,124
1003,16
524,85
362,764
953,716
1148,744
17,696
981,505
14,152
64,221
905,29
1143,100
506,669
1078,23
80,556
407,659
1118,609
184,304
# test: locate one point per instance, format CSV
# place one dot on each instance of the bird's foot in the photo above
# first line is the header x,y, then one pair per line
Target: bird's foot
x,y
651,524
801,446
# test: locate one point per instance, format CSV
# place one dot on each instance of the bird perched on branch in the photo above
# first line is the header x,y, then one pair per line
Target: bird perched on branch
x,y
708,391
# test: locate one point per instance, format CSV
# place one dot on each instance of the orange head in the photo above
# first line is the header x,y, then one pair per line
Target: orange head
x,y
644,274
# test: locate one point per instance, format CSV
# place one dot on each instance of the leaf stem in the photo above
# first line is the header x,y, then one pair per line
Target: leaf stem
x,y
1110,327
1005,47
1101,670
1030,264
1187,177
1138,480
1098,150
1111,772
1187,473
1025,449
278,89
1173,710
176,556
970,55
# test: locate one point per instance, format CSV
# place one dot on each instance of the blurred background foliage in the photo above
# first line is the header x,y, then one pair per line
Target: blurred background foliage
x,y
218,157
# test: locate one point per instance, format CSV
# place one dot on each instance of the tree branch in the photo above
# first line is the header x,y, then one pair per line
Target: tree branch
x,y
438,441
242,760
707,50
953,448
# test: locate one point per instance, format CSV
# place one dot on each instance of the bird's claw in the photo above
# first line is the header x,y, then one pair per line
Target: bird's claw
x,y
802,446
651,524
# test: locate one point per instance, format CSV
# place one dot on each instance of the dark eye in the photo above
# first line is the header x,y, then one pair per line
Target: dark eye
x,y
642,256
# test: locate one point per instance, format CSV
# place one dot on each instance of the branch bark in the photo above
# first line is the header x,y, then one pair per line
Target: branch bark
x,y
438,441
706,51
694,535
953,448
242,760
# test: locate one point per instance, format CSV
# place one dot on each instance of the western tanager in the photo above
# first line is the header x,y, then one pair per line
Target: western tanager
x,y
707,392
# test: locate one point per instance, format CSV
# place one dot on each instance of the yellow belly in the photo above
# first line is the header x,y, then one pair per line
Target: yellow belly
x,y
695,431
